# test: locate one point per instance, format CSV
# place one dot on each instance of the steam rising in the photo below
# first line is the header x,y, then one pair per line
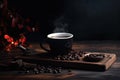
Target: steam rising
x,y
60,25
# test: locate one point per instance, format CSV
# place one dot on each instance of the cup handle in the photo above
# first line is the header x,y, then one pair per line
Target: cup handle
x,y
43,47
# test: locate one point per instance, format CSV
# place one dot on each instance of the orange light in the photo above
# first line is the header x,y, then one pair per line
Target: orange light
x,y
10,39
16,43
12,42
6,36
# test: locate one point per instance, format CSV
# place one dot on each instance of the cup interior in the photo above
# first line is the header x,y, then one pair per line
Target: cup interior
x,y
60,35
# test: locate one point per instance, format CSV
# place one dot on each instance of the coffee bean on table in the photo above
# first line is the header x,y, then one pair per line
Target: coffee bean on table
x,y
55,71
59,69
36,71
27,71
49,70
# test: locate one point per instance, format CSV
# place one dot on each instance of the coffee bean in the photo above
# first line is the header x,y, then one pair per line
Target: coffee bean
x,y
49,70
27,71
55,71
41,71
59,70
36,71
73,55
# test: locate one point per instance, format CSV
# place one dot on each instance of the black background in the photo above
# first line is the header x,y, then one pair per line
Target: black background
x,y
86,19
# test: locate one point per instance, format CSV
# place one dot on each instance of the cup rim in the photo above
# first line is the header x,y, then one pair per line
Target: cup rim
x,y
59,33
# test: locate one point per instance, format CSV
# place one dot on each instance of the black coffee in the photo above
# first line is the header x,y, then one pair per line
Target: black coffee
x,y
59,37
59,43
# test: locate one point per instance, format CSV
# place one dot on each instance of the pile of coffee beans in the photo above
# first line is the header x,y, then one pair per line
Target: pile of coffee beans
x,y
29,68
94,57
73,55
42,69
80,55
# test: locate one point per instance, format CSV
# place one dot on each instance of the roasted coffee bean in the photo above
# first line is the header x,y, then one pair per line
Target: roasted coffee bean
x,y
27,71
41,71
46,70
36,71
49,70
73,55
59,69
57,58
55,71
77,58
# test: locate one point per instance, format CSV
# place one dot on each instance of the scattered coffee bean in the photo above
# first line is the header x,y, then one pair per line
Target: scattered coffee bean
x,y
59,69
36,71
73,55
27,71
55,71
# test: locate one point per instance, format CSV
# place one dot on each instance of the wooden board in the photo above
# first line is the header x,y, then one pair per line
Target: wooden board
x,y
102,65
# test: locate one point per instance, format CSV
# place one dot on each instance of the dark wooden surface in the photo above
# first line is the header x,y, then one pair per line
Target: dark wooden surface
x,y
91,46
81,63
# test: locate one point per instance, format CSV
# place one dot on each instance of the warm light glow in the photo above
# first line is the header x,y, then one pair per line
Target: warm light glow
x,y
10,39
9,19
6,36
12,42
16,43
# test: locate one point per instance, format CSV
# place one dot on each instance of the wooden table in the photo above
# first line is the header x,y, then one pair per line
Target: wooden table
x,y
90,46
